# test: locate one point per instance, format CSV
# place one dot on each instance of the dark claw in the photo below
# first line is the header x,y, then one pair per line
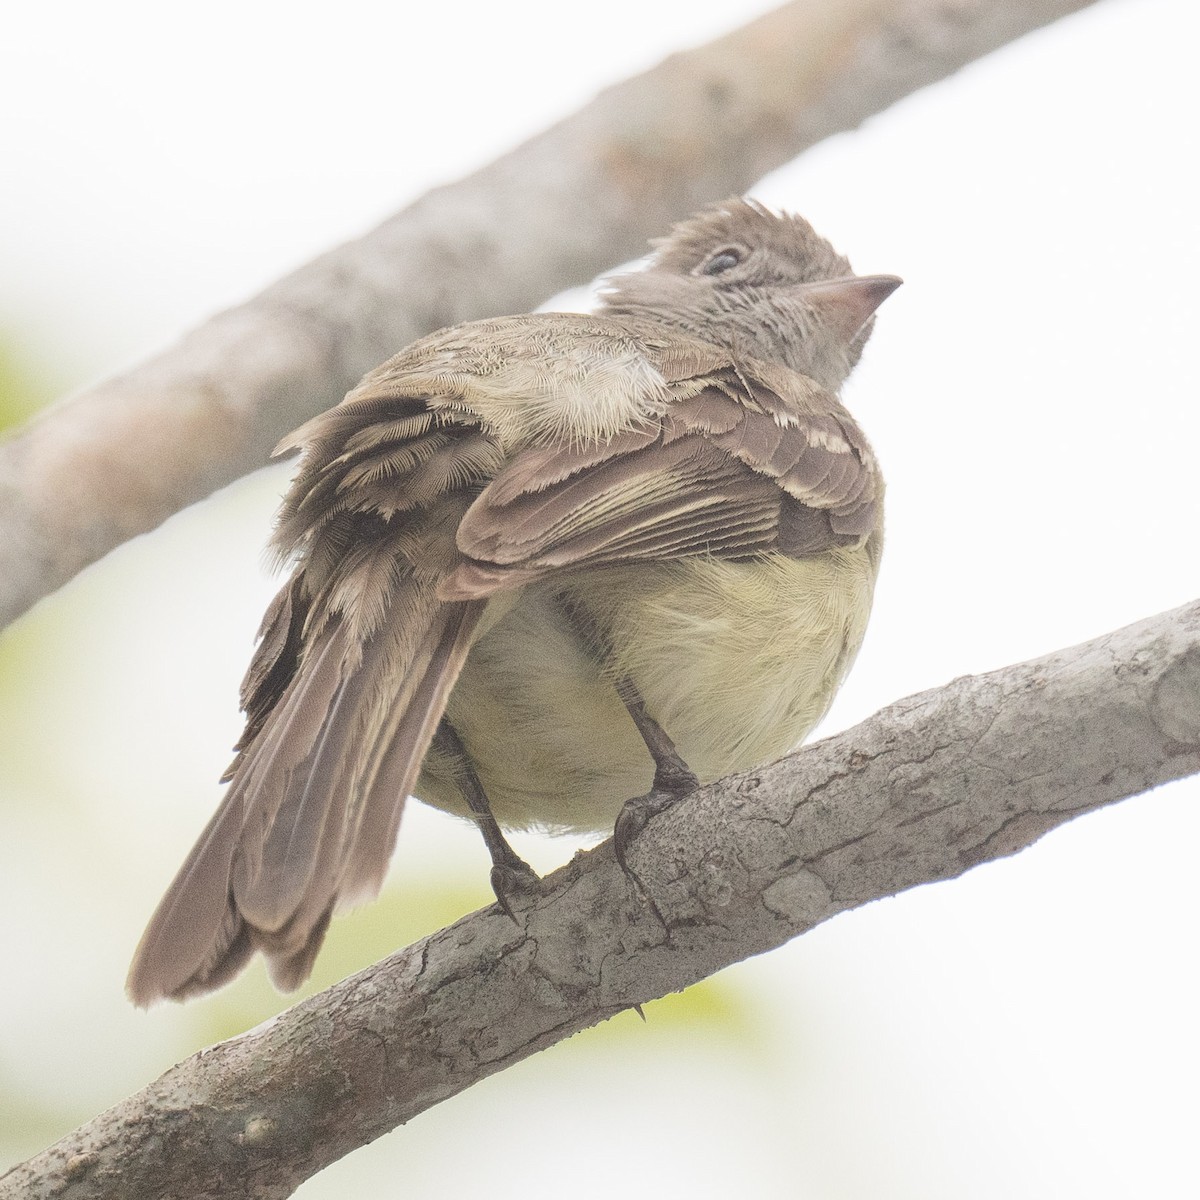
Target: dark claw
x,y
636,815
511,879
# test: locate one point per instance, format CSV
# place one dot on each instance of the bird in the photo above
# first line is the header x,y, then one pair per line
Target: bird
x,y
546,568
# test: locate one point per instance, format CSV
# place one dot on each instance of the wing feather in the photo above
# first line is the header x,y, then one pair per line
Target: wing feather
x,y
746,462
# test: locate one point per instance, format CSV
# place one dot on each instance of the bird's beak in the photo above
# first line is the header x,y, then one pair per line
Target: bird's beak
x,y
846,305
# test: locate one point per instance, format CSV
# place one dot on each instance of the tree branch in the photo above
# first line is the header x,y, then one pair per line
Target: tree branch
x,y
924,790
121,457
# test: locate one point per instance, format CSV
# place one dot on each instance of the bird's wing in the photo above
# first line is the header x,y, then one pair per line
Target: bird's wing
x,y
745,459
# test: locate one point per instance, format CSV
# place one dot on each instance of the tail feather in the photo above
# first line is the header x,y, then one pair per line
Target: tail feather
x,y
394,767
265,776
289,967
191,930
197,934
269,885
312,811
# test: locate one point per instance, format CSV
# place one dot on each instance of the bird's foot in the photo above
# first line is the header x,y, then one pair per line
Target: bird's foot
x,y
514,879
670,786
636,815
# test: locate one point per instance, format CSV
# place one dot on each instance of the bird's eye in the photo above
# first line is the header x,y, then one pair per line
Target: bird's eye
x,y
722,261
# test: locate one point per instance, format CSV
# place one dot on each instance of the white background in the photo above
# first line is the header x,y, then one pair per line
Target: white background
x,y
1026,1031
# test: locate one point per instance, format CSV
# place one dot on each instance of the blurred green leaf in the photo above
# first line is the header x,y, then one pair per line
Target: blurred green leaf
x,y
24,387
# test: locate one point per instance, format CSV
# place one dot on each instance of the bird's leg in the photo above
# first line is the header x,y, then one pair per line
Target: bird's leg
x,y
673,778
511,874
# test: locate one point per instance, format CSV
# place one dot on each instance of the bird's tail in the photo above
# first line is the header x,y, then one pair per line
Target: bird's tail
x,y
314,801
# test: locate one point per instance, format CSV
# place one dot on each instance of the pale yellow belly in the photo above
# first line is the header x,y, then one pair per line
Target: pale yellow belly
x,y
736,661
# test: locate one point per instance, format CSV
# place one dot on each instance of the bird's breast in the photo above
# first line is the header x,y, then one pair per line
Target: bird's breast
x,y
737,661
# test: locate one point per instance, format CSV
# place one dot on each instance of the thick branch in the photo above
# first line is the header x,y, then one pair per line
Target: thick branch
x,y
922,791
586,194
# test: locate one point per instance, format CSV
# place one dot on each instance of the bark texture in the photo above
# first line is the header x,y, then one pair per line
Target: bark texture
x,y
118,459
922,791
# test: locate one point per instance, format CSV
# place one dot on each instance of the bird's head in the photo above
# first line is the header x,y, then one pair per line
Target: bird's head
x,y
762,284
